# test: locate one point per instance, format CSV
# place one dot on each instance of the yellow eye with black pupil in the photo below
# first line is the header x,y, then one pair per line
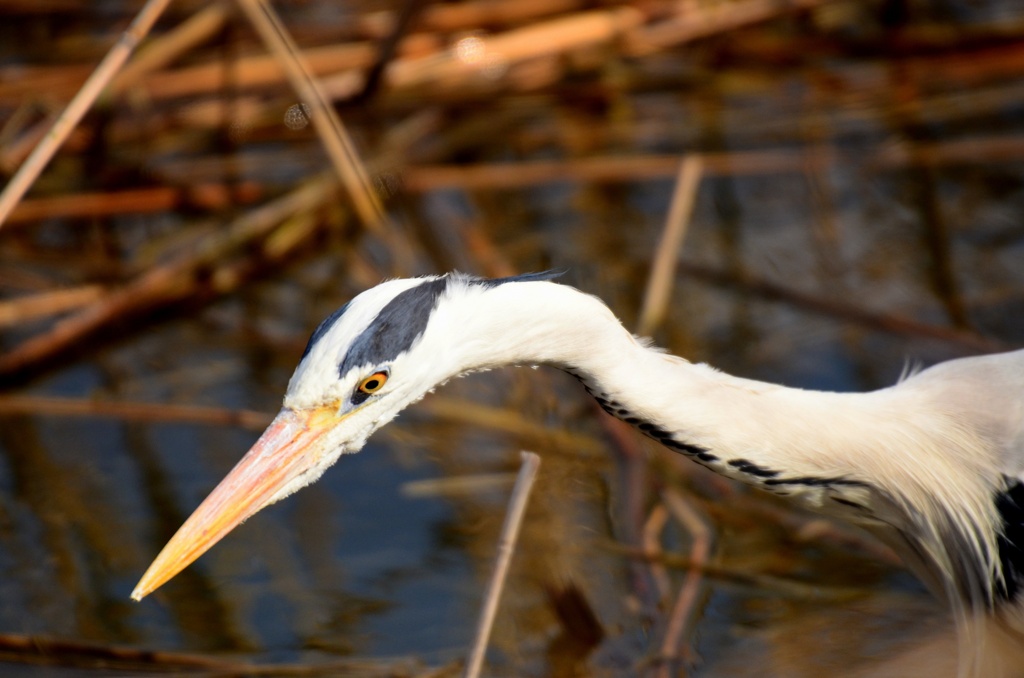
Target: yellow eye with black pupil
x,y
373,383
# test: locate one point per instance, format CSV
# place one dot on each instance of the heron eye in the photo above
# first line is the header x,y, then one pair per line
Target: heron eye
x,y
373,383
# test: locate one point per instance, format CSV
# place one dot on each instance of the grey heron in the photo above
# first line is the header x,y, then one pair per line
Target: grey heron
x,y
932,465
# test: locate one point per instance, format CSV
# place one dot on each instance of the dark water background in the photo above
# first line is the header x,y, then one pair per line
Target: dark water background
x,y
906,204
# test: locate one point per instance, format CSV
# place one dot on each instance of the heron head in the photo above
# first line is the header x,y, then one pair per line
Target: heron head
x,y
366,362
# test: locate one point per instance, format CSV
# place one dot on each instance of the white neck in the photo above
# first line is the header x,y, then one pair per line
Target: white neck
x,y
798,432
861,456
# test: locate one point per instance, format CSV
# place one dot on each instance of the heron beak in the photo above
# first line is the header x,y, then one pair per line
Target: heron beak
x,y
290,448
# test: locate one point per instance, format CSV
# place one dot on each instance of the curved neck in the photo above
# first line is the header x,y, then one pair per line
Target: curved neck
x,y
728,423
872,458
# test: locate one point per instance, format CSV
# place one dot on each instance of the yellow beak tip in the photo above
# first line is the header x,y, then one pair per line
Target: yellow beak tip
x,y
288,448
142,589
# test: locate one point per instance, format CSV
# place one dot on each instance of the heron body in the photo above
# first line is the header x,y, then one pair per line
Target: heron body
x,y
932,465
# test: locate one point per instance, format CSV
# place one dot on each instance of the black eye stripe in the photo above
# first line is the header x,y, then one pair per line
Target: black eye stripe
x,y
395,328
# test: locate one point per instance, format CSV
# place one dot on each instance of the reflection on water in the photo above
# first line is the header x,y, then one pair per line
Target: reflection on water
x,y
857,212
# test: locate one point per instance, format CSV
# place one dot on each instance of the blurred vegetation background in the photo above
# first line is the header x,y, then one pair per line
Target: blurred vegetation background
x,y
813,192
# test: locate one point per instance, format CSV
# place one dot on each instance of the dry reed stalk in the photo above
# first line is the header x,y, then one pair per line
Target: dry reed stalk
x,y
76,109
974,151
789,588
408,13
700,20
424,178
248,113
156,199
763,508
506,546
508,421
22,309
36,649
633,474
843,310
650,542
328,124
21,82
458,485
46,406
18,135
666,254
549,38
261,71
19,119
250,71
40,650
167,283
468,16
979,150
165,49
254,71
15,152
134,201
700,551
968,69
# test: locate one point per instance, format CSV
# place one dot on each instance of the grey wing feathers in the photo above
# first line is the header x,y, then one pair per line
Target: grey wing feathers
x,y
986,394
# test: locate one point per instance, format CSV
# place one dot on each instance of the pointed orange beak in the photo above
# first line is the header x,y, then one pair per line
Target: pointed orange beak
x,y
285,458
